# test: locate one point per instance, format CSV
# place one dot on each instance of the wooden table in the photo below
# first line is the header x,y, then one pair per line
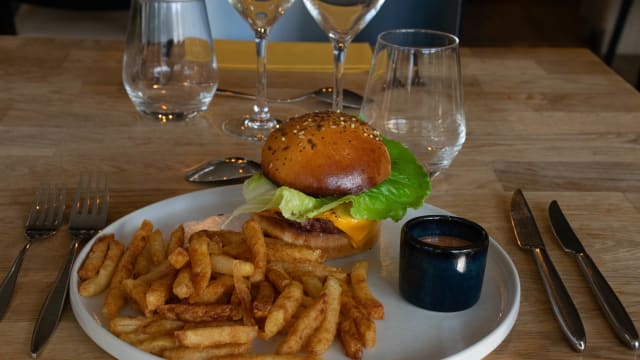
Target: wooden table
x,y
555,122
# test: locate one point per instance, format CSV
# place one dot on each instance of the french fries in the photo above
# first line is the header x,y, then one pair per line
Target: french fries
x,y
199,313
157,248
365,325
216,290
206,353
263,300
278,277
326,332
178,257
243,292
350,339
176,240
223,264
211,295
200,261
159,291
304,326
283,309
96,284
127,324
95,258
255,239
217,335
316,269
182,286
137,290
361,291
114,300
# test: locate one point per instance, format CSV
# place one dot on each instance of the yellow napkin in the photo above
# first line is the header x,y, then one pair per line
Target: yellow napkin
x,y
290,56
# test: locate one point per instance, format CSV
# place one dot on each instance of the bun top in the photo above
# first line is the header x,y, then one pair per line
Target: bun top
x,y
326,154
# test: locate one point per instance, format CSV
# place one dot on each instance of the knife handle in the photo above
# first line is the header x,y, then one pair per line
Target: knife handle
x,y
561,303
611,306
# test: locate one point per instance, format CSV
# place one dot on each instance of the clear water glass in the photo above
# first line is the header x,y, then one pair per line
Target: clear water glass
x,y
414,94
169,67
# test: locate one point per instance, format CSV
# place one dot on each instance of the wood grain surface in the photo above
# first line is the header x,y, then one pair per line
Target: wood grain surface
x,y
555,122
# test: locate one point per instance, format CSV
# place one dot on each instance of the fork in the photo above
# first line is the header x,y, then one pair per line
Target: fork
x,y
88,216
44,220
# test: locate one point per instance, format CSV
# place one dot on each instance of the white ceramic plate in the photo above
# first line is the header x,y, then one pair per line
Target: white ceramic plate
x,y
407,332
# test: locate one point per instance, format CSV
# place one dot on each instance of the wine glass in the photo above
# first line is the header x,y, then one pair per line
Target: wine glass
x,y
169,67
261,15
341,20
414,94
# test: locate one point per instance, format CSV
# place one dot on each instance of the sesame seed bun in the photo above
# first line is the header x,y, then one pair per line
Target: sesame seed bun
x,y
326,154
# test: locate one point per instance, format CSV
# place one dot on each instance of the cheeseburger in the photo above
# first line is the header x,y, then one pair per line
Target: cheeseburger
x,y
328,179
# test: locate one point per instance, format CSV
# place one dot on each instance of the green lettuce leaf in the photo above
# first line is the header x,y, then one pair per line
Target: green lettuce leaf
x,y
407,186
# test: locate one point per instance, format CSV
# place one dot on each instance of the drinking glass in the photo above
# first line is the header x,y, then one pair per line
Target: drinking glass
x,y
414,94
261,15
169,67
341,20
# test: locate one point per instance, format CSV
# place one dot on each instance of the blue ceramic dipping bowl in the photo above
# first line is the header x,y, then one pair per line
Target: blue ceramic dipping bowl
x,y
442,274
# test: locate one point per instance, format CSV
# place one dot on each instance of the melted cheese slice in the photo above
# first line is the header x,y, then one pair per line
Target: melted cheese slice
x,y
356,229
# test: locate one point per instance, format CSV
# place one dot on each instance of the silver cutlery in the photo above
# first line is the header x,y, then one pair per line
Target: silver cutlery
x,y
87,217
223,171
528,236
44,220
613,309
350,98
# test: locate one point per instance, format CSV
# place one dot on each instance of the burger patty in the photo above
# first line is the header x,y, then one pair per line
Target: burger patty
x,y
314,233
317,225
307,225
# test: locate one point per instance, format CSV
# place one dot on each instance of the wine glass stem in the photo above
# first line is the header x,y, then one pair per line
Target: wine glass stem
x,y
261,116
339,53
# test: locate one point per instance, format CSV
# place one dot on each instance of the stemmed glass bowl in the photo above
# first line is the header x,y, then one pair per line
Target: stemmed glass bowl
x,y
260,15
341,20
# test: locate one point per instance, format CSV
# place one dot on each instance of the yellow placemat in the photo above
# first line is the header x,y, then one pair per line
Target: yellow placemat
x,y
290,56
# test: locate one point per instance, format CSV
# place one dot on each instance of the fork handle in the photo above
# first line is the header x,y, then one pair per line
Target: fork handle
x,y
54,303
9,282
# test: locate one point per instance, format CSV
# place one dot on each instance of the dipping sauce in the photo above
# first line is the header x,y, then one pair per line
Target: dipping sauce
x,y
445,241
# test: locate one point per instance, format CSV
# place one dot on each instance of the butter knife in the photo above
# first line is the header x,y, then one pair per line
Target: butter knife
x,y
611,306
528,236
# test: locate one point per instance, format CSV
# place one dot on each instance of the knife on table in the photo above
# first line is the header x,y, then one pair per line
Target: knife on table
x,y
528,236
611,306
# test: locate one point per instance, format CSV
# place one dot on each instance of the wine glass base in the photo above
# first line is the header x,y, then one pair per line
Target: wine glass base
x,y
250,129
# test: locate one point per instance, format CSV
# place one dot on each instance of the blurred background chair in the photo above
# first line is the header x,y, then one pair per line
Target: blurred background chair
x,y
64,18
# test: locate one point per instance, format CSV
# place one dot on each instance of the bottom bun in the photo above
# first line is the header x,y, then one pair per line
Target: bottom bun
x,y
334,243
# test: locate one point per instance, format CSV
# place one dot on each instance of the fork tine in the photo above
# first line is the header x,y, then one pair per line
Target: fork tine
x,y
32,219
104,197
52,205
91,202
76,207
60,205
43,205
86,200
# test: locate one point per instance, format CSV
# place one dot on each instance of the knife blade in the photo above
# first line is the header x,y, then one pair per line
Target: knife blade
x,y
528,237
609,302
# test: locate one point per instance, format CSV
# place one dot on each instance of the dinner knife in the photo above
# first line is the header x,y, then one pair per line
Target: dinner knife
x,y
528,237
611,306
